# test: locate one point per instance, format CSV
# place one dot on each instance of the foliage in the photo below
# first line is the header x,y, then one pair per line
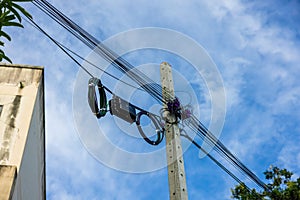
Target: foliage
x,y
10,17
281,187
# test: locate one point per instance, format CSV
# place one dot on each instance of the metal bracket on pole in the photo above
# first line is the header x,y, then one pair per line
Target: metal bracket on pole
x,y
176,172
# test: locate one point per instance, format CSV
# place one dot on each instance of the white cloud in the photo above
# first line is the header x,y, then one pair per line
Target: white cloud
x,y
289,157
257,57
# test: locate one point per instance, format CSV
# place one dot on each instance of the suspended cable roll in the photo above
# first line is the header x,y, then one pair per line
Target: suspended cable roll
x,y
99,109
159,132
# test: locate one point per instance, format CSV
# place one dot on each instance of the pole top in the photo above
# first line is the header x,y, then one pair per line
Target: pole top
x,y
166,63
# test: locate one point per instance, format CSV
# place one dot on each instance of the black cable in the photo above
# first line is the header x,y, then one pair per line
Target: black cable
x,y
159,132
222,150
214,160
99,48
91,92
219,164
82,58
138,77
55,42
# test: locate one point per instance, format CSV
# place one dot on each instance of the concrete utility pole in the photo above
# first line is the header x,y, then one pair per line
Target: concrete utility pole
x,y
176,173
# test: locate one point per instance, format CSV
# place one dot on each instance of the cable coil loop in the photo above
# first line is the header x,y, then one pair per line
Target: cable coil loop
x,y
92,98
159,132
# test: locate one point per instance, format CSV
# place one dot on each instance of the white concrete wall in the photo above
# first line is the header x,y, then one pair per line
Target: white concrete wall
x,y
22,129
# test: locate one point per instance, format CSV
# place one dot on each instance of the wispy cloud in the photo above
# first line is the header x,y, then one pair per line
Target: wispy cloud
x,y
255,46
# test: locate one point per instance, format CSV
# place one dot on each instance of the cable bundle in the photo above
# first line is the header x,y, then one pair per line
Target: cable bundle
x,y
145,83
118,62
195,125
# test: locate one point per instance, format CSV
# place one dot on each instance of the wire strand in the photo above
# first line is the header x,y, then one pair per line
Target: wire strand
x,y
141,79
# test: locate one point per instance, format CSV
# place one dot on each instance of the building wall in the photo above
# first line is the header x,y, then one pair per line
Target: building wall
x,y
8,175
22,128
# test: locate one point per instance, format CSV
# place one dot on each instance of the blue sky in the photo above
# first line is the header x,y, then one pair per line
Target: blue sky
x,y
255,46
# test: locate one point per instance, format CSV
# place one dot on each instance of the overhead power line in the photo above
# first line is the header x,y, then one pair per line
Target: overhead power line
x,y
210,139
213,159
65,48
144,82
118,62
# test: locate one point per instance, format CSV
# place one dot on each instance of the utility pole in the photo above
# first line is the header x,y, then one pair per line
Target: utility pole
x,y
176,173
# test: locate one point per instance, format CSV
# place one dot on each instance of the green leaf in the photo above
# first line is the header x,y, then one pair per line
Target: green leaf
x,y
22,10
5,14
9,18
15,12
21,0
2,33
3,56
12,24
3,3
